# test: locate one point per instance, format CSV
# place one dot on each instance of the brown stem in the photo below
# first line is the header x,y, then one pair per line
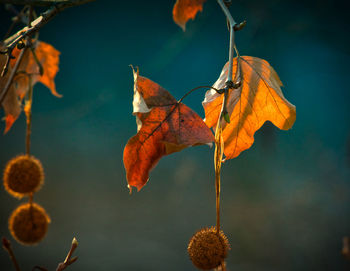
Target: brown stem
x,y
217,164
12,75
28,112
7,246
31,209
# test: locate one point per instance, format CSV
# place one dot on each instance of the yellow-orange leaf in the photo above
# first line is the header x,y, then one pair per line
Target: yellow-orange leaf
x,y
257,100
186,9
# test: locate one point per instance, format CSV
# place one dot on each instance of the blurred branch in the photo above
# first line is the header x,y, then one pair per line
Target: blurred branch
x,y
20,16
69,259
7,246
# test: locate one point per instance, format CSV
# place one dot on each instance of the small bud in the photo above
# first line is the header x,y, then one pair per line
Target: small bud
x,y
20,45
75,242
226,117
240,26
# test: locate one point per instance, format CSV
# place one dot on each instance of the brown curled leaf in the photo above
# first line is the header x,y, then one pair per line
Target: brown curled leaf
x,y
164,126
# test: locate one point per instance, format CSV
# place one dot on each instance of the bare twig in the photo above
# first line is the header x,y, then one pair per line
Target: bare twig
x,y
232,37
44,3
219,144
69,259
7,246
41,69
12,75
28,112
37,267
43,19
19,17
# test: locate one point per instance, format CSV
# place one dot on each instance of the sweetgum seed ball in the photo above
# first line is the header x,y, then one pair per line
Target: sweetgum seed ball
x,y
28,223
208,249
23,175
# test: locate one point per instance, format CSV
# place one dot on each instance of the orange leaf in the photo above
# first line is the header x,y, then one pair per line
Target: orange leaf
x,y
164,126
9,120
48,56
186,9
257,100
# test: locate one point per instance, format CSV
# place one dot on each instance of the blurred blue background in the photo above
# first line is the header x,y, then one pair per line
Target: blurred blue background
x,y
285,201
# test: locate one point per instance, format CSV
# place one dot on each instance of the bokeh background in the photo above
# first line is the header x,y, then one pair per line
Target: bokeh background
x,y
285,201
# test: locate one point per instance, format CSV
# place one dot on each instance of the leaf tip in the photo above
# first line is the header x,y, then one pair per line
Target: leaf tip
x,y
9,120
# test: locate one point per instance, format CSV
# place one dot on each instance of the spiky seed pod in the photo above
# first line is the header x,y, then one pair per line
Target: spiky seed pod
x,y
208,249
28,223
23,175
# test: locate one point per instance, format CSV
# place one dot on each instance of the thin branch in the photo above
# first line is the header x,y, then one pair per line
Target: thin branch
x,y
192,90
232,37
69,259
44,3
43,19
37,267
12,75
219,147
219,144
19,17
7,246
238,78
28,112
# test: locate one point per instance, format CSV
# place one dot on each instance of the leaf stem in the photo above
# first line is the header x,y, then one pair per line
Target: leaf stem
x,y
175,107
7,246
192,90
219,145
217,165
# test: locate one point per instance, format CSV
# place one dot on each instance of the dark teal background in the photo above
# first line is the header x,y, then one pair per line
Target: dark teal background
x,y
285,201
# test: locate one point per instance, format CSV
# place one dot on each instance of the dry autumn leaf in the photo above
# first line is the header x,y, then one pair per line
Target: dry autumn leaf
x,y
164,126
48,56
258,99
186,9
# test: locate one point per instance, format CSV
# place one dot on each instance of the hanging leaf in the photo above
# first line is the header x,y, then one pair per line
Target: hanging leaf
x,y
164,126
186,9
258,99
48,57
